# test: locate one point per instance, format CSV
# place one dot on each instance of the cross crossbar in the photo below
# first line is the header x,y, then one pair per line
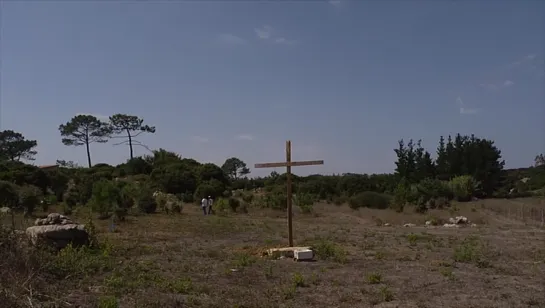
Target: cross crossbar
x,y
288,164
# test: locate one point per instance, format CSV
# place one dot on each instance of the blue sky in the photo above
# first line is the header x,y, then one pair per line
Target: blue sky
x,y
344,80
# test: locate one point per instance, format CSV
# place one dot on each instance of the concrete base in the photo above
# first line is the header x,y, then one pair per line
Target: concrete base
x,y
303,255
288,252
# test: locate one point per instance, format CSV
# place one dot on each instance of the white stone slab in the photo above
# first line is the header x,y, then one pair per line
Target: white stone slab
x,y
303,254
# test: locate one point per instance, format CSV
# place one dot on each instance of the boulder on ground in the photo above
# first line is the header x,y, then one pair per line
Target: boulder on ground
x,y
459,220
58,231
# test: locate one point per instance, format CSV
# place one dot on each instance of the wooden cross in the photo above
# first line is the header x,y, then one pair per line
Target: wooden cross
x,y
288,164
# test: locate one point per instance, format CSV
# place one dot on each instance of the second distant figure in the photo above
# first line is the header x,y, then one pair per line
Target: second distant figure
x,y
210,202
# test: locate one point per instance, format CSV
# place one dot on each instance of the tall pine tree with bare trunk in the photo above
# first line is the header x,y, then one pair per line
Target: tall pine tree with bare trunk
x,y
84,130
129,127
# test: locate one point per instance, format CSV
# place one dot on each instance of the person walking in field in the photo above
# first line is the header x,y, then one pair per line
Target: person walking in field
x,y
204,204
210,202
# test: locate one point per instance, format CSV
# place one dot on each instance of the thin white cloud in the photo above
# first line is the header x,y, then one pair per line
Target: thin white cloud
x,y
96,115
335,2
494,87
528,59
245,137
199,139
231,39
464,109
508,83
264,33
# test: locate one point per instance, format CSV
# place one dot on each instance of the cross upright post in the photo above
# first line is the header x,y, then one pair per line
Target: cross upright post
x,y
288,164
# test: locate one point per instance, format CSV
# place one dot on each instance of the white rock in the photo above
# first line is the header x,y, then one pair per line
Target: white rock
x,y
58,236
57,230
409,225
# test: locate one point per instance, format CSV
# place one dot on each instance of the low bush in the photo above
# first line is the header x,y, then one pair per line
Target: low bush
x,y
105,198
145,201
247,197
463,187
234,204
8,194
433,189
369,199
29,197
304,201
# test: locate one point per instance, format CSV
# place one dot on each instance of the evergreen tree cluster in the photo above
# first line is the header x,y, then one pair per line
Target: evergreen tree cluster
x,y
465,155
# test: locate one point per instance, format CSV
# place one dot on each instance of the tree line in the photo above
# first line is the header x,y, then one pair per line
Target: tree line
x,y
80,130
460,167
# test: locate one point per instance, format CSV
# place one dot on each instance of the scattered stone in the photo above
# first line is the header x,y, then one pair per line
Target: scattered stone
x,y
387,224
287,252
58,231
428,223
409,225
459,220
5,210
473,225
451,225
53,219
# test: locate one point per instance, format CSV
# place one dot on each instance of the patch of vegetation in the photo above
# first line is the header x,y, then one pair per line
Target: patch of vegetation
x,y
369,199
244,259
471,251
374,278
108,302
386,295
328,250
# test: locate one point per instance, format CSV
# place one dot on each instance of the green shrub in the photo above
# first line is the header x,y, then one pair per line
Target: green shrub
x,y
221,205
9,194
275,201
369,199
126,196
304,201
227,193
161,199
187,197
105,198
433,188
212,188
402,195
247,197
145,201
168,203
47,201
29,197
463,187
234,204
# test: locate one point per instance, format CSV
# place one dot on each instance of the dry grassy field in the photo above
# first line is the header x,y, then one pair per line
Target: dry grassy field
x,y
191,260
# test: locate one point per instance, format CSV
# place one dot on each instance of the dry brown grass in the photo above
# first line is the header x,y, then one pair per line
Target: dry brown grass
x,y
191,260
